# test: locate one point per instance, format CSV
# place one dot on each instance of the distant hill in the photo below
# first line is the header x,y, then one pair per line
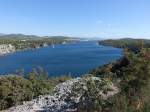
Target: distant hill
x,y
57,37
17,36
131,44
35,37
22,36
2,34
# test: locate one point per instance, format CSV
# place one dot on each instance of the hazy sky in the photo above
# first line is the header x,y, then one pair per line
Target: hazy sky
x,y
84,18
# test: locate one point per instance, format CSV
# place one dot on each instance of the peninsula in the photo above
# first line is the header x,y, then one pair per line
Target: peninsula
x,y
10,43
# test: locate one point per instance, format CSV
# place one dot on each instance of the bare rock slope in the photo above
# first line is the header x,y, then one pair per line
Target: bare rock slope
x,y
66,96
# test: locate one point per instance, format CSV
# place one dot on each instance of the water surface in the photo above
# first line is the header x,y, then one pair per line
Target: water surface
x,y
74,58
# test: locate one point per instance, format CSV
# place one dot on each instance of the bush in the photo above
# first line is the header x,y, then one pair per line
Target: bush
x,y
16,89
133,70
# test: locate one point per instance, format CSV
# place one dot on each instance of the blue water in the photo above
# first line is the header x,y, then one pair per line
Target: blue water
x,y
74,58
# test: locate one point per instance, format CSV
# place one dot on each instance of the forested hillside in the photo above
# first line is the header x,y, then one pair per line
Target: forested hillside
x,y
133,45
132,72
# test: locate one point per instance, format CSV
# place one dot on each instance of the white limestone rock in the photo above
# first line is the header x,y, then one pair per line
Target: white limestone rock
x,y
6,48
65,97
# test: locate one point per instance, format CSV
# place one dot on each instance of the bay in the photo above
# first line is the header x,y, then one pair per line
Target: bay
x,y
73,58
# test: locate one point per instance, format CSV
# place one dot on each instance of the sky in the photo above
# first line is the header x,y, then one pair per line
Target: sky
x,y
79,18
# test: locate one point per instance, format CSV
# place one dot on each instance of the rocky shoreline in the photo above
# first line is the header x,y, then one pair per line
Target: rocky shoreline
x,y
66,98
7,48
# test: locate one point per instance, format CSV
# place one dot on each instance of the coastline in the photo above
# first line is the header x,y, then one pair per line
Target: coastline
x,y
4,52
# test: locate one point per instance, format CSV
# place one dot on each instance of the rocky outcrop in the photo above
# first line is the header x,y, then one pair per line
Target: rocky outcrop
x,y
67,96
6,48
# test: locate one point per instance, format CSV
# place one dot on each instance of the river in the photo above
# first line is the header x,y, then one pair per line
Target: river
x,y
73,58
